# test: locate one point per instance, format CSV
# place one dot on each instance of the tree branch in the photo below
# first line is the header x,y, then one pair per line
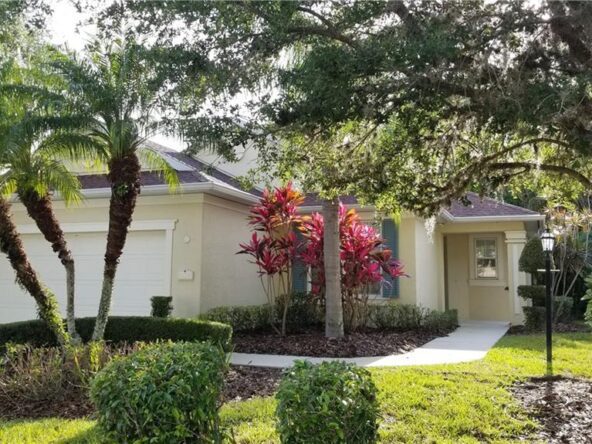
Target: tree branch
x,y
555,169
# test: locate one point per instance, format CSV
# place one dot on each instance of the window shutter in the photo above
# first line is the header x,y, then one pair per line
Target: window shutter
x,y
299,273
390,234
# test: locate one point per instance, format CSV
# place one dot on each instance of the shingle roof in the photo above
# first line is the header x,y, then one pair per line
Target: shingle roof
x,y
486,207
189,171
479,207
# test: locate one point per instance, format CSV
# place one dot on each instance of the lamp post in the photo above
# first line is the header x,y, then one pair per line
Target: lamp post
x,y
548,242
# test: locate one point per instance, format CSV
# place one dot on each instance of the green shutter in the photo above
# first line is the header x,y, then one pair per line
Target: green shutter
x,y
390,234
299,274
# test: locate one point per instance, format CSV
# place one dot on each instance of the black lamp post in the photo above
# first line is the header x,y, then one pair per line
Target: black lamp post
x,y
548,241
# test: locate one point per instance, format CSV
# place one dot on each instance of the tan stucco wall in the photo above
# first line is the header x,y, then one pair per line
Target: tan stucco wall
x,y
227,278
429,259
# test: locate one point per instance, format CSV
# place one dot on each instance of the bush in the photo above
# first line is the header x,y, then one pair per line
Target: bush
x,y
303,312
440,320
161,306
535,293
241,318
122,329
532,257
333,402
535,317
403,317
165,393
32,376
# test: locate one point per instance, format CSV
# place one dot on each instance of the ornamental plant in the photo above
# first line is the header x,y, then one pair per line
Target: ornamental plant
x,y
273,246
365,262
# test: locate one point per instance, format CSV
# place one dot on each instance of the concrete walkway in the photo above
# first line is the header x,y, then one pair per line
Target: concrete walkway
x,y
470,342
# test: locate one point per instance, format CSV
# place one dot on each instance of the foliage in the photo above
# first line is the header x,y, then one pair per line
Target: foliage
x,y
163,393
532,258
241,318
588,297
302,312
29,374
122,329
404,317
468,402
331,402
161,306
535,317
276,217
364,262
535,293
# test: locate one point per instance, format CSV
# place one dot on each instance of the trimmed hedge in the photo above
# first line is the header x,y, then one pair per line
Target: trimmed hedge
x,y
301,313
164,393
402,317
122,329
162,306
532,258
536,293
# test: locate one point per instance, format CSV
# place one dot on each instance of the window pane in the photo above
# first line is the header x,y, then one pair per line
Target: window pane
x,y
485,248
486,268
486,258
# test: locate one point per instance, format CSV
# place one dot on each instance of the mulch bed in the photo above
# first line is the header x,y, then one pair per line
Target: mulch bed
x,y
562,406
315,344
242,383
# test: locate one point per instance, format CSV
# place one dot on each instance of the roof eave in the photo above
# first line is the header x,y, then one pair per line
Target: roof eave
x,y
215,189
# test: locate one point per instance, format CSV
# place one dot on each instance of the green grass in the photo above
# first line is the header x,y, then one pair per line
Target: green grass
x,y
463,403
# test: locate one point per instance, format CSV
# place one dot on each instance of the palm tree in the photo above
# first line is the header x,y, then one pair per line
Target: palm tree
x,y
31,159
119,90
12,246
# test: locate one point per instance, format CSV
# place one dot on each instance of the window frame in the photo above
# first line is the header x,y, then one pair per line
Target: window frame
x,y
476,239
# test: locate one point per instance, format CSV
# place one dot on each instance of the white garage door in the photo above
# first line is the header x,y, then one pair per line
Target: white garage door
x,y
142,273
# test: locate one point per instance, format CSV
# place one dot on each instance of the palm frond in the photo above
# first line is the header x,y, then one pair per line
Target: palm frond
x,y
156,162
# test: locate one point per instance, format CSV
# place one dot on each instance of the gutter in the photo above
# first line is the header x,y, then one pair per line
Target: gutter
x,y
215,189
506,218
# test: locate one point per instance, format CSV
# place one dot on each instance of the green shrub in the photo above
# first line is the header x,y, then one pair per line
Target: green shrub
x,y
301,313
162,306
122,329
588,314
241,318
440,320
535,317
404,317
535,293
532,257
165,393
333,402
393,316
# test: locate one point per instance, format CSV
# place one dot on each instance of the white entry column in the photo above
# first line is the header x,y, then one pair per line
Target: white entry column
x,y
515,241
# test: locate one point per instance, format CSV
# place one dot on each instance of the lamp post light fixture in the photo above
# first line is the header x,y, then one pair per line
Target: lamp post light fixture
x,y
548,242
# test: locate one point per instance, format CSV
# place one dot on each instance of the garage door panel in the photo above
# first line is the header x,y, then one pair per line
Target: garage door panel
x,y
141,274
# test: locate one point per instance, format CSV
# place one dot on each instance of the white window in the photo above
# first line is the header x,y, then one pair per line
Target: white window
x,y
486,258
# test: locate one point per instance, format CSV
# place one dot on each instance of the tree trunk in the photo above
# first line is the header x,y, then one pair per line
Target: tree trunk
x,y
124,175
12,246
334,306
40,210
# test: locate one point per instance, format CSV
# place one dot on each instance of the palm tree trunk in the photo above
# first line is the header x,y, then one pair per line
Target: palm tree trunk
x,y
40,210
124,175
334,306
12,246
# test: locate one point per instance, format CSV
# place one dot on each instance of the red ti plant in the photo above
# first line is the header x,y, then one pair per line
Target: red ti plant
x,y
273,245
365,261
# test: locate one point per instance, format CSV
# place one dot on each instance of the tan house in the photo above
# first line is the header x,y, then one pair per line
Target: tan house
x,y
185,245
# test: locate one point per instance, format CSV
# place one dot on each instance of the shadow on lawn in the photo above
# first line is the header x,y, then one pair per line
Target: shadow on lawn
x,y
536,342
93,435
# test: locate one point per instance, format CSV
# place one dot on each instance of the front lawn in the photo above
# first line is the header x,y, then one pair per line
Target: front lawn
x,y
455,403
